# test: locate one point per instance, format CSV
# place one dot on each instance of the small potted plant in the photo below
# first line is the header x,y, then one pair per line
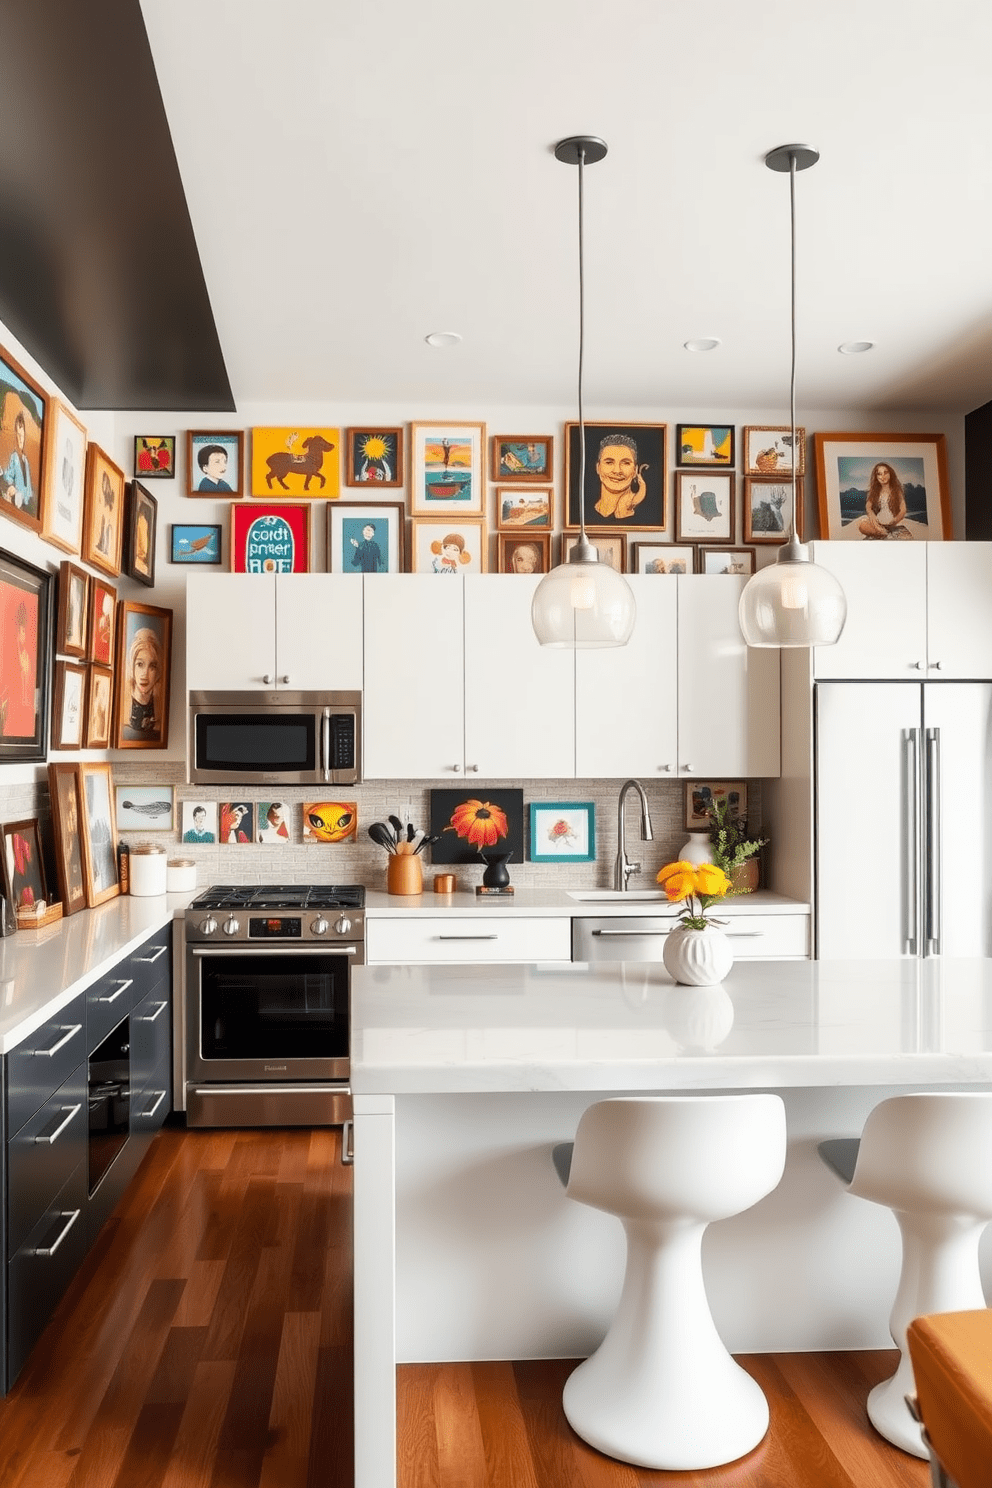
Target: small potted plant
x,y
732,849
697,954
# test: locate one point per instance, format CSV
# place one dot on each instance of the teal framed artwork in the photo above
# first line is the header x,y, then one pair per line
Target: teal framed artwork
x,y
562,832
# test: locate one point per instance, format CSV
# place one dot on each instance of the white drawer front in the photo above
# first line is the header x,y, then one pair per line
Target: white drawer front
x,y
757,937
457,938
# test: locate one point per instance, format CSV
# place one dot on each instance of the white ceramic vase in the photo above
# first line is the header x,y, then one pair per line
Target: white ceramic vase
x,y
697,958
697,850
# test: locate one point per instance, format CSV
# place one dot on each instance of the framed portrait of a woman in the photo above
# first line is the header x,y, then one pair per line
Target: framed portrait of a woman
x,y
144,658
625,477
103,512
883,487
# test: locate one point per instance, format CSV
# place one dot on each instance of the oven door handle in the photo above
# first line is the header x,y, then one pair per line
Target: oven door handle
x,y
267,948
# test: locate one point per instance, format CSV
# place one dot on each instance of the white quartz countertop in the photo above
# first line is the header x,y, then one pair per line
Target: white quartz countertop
x,y
555,902
612,1026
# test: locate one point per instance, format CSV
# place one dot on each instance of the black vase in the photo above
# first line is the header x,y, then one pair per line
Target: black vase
x,y
496,876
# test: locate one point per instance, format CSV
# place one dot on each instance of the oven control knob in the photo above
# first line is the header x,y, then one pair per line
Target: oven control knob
x,y
208,926
342,926
231,926
319,926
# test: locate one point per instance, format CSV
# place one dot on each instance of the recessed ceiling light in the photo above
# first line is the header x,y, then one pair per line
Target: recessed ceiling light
x,y
443,338
854,348
702,343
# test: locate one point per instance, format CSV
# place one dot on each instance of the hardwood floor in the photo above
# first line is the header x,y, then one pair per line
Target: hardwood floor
x,y
207,1344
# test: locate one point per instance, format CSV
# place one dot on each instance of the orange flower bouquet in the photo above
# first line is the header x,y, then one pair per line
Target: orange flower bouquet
x,y
697,886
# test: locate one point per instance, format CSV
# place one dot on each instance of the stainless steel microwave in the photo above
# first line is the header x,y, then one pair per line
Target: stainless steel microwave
x,y
275,738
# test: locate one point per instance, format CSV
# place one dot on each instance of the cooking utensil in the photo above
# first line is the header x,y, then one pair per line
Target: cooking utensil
x,y
416,838
396,825
411,831
382,836
427,841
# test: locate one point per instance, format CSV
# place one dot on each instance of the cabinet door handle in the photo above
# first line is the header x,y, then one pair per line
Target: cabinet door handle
x,y
154,957
122,987
285,680
467,937
688,769
150,1110
70,1216
668,769
936,666
457,769
474,769
145,1018
347,1144
916,666
267,679
61,1043
50,1138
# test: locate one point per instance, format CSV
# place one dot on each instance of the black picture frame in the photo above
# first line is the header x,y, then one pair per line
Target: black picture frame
x,y
25,654
650,451
140,533
452,848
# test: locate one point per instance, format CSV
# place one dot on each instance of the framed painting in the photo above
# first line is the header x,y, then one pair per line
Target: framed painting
x,y
562,832
63,473
272,538
99,707
144,655
456,545
23,410
530,554
365,538
738,561
447,464
236,823
74,595
63,790
25,642
466,827
155,456
271,824
700,795
329,821
23,869
140,533
612,550
625,476
68,706
705,444
374,457
215,463
704,507
99,833
199,821
194,544
882,487
768,450
769,513
531,508
523,457
296,462
103,612
103,512
146,808
662,558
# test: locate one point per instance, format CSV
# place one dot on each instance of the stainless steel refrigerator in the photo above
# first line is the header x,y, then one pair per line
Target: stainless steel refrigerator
x,y
903,819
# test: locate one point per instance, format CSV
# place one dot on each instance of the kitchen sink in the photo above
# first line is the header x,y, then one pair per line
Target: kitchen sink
x,y
613,896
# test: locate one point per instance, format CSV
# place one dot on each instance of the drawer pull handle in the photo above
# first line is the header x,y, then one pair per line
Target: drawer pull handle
x,y
154,957
616,934
61,1043
467,937
151,1017
743,934
121,987
348,1144
52,1137
70,1216
150,1110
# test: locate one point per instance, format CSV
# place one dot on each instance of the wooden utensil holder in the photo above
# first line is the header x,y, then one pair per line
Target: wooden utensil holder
x,y
404,872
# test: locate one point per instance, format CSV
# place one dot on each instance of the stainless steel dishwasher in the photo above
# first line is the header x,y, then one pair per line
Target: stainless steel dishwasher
x,y
620,937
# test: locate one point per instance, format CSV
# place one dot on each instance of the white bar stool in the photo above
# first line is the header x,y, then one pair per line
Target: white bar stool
x,y
928,1158
661,1390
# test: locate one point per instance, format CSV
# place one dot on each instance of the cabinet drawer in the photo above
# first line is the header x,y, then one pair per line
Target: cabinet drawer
x,y
642,937
44,1061
152,1104
41,1270
107,1002
149,964
469,938
43,1154
151,1035
760,937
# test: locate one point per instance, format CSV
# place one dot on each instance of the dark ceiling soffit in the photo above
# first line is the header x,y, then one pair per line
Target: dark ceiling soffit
x,y
100,277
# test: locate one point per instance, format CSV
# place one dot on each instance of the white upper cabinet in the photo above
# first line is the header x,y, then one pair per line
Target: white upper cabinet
x,y
959,611
319,632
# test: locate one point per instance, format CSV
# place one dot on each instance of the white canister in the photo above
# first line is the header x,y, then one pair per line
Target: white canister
x,y
148,871
181,875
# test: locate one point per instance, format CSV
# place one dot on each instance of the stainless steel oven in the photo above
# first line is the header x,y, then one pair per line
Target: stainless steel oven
x,y
267,975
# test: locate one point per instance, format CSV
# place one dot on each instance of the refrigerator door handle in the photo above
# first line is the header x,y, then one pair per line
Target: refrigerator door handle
x,y
933,843
911,744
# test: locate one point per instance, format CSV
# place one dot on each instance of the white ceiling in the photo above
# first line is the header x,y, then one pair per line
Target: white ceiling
x,y
362,172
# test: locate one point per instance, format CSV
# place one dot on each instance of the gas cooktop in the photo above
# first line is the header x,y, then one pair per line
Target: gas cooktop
x,y
281,896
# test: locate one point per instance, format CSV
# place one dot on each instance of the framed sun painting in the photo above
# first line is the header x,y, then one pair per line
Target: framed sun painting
x,y
374,458
23,414
447,477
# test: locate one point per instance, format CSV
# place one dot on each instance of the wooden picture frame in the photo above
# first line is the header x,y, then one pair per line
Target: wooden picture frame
x,y
767,450
299,463
365,537
457,545
23,417
23,866
64,793
524,510
769,516
562,832
69,705
140,534
611,547
739,562
25,650
522,457
191,542
99,707
146,808
103,512
851,489
102,623
626,477
704,506
706,445
374,457
144,665
665,558
698,793
523,552
270,537
73,613
215,463
98,832
447,464
63,478
154,456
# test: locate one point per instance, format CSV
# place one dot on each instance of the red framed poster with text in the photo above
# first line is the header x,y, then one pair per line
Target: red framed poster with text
x,y
270,537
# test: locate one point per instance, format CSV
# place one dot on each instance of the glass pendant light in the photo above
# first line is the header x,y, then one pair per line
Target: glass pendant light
x,y
583,602
793,602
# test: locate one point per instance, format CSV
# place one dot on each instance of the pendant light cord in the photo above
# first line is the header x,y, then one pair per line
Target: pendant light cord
x,y
792,375
582,349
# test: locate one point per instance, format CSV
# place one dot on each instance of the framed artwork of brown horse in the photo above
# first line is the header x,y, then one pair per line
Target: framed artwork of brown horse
x,y
296,462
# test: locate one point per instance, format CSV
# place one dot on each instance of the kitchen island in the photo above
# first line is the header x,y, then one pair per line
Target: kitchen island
x,y
465,1077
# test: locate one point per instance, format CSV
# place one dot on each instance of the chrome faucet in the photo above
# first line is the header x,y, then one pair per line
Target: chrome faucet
x,y
622,869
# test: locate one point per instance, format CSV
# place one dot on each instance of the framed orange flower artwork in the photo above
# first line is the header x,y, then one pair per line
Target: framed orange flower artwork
x,y
466,825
